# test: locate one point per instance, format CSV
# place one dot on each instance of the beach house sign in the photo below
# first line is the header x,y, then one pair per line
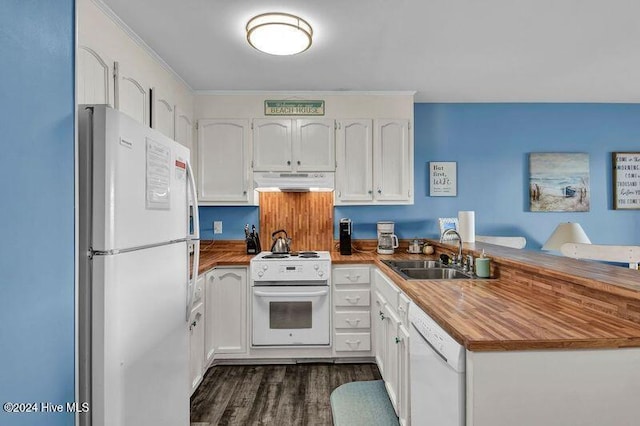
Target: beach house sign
x,y
290,107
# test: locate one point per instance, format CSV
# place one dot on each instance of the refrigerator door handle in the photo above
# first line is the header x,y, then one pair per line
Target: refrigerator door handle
x,y
195,239
192,189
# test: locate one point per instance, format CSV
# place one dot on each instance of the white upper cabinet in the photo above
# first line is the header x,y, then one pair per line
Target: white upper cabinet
x,y
293,145
272,143
393,158
95,77
354,157
375,162
132,94
162,113
184,129
224,162
314,145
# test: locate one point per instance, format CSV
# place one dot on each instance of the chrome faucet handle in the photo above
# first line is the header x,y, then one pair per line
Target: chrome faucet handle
x,y
468,263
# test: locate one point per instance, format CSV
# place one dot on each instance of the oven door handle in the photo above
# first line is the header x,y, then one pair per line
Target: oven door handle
x,y
309,294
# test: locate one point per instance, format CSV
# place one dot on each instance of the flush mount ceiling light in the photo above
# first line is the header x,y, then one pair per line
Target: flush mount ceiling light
x,y
279,33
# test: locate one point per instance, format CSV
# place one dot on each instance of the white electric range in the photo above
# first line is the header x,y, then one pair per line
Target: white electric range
x,y
291,299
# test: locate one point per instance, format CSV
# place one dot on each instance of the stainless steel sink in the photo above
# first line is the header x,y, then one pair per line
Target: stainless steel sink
x,y
426,270
414,264
434,274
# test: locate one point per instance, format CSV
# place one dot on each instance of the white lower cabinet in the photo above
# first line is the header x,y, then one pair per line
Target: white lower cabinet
x,y
226,310
196,345
391,342
351,311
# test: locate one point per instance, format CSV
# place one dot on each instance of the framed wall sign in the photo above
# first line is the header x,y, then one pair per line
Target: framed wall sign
x,y
626,180
448,223
443,179
293,107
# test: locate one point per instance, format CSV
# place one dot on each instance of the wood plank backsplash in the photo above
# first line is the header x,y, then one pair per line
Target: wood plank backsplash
x,y
306,216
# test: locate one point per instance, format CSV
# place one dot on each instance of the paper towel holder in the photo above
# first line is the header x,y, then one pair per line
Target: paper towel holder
x,y
448,223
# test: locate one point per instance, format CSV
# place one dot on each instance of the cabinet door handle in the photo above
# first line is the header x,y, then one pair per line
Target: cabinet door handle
x,y
381,316
370,192
348,321
379,191
398,340
352,300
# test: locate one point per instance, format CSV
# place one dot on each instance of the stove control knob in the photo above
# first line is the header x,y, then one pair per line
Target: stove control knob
x,y
265,267
315,267
260,273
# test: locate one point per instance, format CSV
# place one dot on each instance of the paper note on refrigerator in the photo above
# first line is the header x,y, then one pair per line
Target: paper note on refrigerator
x,y
158,175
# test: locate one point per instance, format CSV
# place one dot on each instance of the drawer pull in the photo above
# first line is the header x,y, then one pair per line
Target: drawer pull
x,y
348,321
353,279
351,299
351,343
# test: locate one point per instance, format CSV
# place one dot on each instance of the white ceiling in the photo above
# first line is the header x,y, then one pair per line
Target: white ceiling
x,y
446,50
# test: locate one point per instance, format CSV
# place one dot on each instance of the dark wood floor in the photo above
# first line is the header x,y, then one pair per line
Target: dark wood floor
x,y
272,394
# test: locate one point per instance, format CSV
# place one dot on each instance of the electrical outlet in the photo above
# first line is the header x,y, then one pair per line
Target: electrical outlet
x,y
217,227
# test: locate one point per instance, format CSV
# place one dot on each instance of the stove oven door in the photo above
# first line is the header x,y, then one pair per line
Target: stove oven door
x,y
291,315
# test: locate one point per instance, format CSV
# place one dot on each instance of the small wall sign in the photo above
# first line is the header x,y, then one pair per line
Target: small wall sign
x,y
443,179
298,107
626,180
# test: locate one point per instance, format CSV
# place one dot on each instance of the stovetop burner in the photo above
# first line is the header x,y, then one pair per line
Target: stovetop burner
x,y
275,256
308,255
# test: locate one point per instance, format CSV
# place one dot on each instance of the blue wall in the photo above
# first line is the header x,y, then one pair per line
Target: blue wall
x,y
37,213
490,143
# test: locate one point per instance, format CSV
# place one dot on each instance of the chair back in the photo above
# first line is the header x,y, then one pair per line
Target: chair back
x,y
606,253
513,242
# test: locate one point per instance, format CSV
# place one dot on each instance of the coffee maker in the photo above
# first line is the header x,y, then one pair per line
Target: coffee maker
x,y
387,240
345,236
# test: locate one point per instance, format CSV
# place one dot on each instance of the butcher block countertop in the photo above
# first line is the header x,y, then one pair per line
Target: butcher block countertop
x,y
537,301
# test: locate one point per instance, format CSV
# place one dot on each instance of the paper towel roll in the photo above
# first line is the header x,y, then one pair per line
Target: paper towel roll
x,y
467,226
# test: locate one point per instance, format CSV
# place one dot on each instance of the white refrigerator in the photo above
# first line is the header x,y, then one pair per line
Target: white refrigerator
x,y
138,259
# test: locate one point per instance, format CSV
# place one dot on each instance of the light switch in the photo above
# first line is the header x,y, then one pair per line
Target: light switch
x,y
217,227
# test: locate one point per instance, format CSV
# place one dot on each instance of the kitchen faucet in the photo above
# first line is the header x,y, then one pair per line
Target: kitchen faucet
x,y
457,258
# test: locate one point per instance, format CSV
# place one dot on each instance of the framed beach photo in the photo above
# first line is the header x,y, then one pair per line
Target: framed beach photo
x,y
448,223
559,182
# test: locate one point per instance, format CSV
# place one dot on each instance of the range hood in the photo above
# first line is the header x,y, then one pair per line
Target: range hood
x,y
294,182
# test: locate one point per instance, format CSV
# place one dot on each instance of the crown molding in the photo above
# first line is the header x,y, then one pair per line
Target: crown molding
x,y
306,92
139,41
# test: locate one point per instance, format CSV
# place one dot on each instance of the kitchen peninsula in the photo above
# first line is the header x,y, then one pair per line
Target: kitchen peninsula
x,y
549,340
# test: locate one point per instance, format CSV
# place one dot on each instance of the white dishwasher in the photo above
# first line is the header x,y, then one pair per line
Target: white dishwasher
x,y
437,373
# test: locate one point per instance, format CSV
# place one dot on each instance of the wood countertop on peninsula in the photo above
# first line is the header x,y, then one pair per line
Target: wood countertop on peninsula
x,y
508,313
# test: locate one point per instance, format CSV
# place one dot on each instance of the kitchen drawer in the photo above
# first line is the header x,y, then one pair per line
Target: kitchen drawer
x,y
357,275
361,319
387,289
350,342
351,297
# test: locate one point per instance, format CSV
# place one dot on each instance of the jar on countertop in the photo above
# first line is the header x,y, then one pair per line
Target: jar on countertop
x,y
427,249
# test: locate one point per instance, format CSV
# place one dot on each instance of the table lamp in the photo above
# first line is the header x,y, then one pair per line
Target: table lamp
x,y
569,232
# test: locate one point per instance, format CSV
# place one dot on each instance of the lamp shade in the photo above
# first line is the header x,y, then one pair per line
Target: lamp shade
x,y
279,33
569,232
